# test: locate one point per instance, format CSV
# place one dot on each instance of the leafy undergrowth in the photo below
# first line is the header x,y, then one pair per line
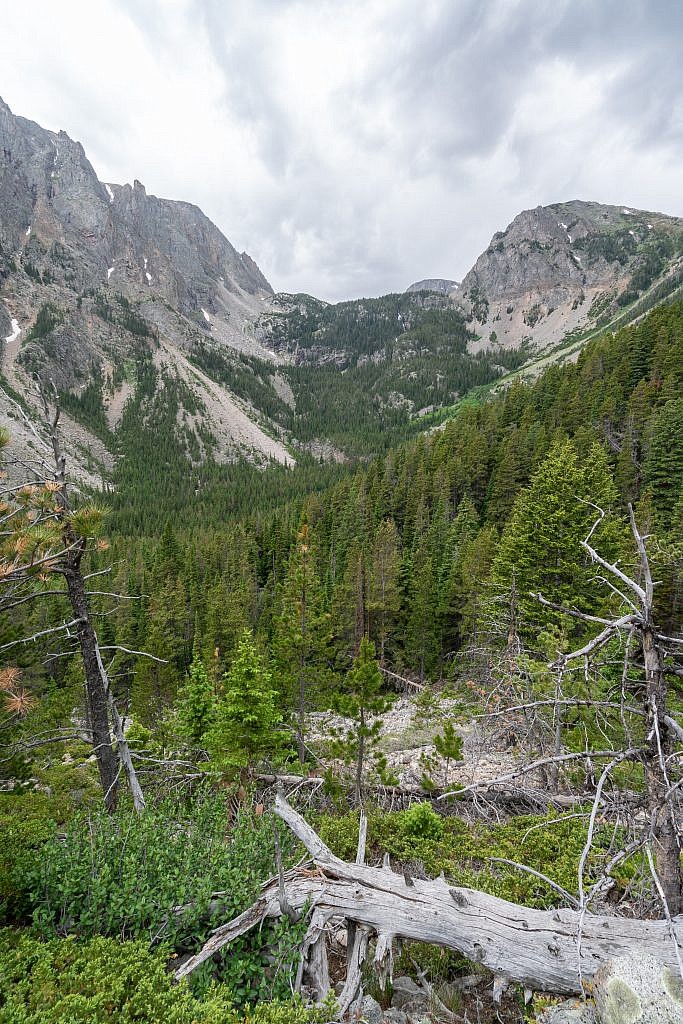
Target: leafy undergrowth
x,y
166,877
426,843
65,981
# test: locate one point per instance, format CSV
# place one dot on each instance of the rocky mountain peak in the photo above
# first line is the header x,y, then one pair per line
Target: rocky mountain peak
x,y
433,284
555,268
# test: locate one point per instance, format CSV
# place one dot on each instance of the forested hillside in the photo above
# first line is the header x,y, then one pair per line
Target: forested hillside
x,y
430,516
261,637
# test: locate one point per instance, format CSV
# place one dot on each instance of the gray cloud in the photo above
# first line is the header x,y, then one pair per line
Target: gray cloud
x,y
356,145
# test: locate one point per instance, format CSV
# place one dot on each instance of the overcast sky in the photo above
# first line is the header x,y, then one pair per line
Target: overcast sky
x,y
354,146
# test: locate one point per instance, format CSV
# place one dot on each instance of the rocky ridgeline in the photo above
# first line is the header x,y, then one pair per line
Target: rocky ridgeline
x,y
90,270
565,268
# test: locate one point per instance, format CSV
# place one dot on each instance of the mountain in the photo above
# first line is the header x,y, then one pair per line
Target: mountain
x,y
560,270
96,278
433,284
173,357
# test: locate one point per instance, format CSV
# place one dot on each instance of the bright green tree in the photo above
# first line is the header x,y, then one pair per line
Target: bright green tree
x,y
361,700
246,714
540,549
195,703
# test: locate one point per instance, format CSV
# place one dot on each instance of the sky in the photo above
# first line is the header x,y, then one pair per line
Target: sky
x,y
354,146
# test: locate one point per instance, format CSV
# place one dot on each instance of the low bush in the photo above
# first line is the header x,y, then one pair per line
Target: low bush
x,y
167,876
420,838
65,981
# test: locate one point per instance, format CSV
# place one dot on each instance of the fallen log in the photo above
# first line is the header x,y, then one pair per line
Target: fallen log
x,y
546,950
506,796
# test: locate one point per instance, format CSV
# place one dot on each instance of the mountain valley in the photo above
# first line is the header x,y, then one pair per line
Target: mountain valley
x,y
142,313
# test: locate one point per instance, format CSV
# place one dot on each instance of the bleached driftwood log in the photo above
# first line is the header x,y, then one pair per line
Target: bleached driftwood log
x,y
537,948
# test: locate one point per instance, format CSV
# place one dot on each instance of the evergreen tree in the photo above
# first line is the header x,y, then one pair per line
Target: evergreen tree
x,y
384,596
246,715
195,703
540,549
301,633
360,700
664,465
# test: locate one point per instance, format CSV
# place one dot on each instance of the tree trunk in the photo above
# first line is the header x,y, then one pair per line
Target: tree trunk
x,y
360,758
107,761
539,949
665,838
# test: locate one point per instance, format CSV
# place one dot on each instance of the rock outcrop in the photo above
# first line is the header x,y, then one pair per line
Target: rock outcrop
x,y
566,268
91,273
433,284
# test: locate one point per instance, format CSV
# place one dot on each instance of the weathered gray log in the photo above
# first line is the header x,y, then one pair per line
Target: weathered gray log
x,y
537,948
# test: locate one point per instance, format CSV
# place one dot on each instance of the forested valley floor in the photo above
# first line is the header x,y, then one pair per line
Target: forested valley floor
x,y
462,655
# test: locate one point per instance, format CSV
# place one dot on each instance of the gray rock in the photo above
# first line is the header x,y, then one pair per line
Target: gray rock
x,y
433,284
573,1011
407,993
369,1010
393,1016
638,990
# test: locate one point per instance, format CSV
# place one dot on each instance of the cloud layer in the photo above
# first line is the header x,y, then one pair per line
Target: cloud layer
x,y
353,146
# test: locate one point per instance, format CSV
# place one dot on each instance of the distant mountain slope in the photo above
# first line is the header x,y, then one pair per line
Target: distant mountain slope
x,y
567,268
93,273
433,284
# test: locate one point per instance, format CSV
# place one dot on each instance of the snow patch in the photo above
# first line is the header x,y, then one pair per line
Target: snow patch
x,y
206,315
650,226
624,210
110,271
16,331
632,234
28,230
149,277
109,192
562,225
569,237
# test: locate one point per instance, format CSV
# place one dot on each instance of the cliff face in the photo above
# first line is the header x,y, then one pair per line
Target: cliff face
x,y
433,284
90,271
557,268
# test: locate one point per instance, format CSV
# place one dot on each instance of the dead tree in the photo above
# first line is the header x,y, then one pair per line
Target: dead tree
x,y
661,749
547,950
39,525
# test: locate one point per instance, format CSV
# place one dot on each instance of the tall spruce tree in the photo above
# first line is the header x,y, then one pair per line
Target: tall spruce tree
x,y
301,634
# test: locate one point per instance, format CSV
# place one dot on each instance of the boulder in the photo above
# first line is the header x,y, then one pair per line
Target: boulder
x,y
392,1016
407,994
573,1011
368,1010
637,990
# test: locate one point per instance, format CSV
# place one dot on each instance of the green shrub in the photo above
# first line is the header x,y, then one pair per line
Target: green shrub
x,y
28,820
420,821
65,981
550,844
169,875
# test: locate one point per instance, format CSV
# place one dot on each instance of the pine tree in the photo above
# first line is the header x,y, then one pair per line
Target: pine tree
x,y
384,595
540,550
448,744
246,715
664,465
361,699
301,633
195,703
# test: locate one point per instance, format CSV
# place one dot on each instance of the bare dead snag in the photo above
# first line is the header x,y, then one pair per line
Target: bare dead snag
x,y
660,736
535,948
